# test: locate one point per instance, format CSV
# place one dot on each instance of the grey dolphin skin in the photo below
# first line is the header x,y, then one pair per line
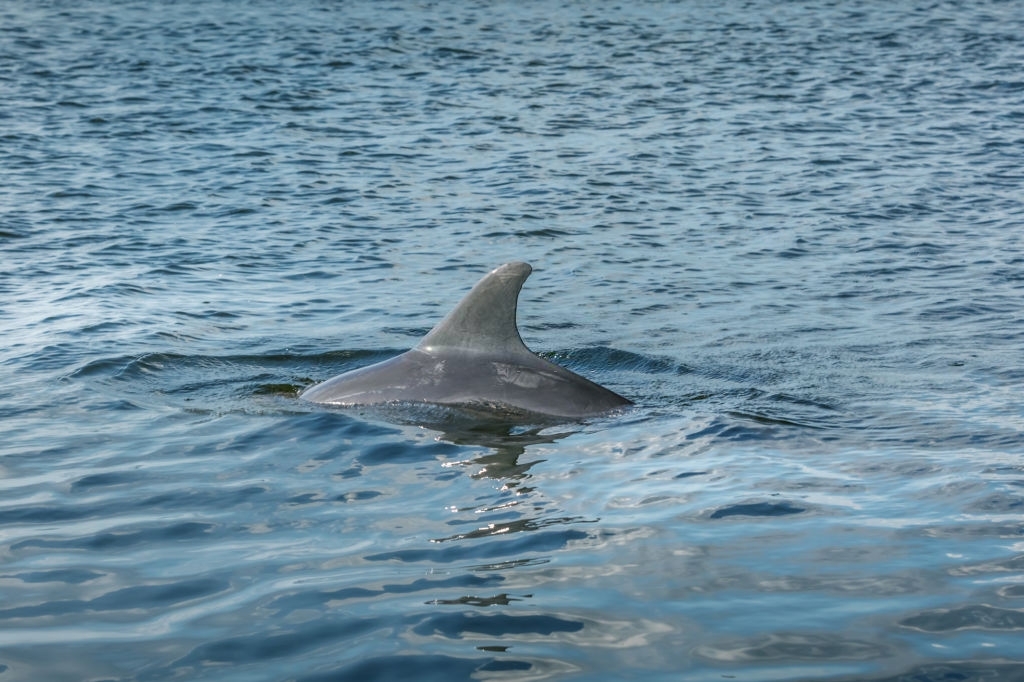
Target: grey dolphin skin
x,y
474,358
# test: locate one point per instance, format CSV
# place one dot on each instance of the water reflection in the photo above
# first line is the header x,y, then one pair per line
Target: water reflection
x,y
492,611
504,442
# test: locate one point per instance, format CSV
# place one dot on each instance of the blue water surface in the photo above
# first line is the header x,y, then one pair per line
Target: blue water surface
x,y
790,232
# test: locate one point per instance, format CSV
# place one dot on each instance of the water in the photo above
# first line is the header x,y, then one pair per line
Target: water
x,y
791,233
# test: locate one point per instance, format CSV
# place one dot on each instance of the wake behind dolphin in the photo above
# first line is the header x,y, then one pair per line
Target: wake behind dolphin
x,y
474,358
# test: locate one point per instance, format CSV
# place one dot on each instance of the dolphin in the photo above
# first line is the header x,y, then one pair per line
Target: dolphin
x,y
474,358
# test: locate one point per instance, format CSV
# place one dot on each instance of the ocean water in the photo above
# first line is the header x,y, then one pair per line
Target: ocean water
x,y
790,232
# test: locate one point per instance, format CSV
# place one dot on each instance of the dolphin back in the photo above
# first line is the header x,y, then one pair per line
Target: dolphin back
x,y
474,357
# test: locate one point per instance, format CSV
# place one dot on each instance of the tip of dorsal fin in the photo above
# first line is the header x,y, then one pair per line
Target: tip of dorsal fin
x,y
485,319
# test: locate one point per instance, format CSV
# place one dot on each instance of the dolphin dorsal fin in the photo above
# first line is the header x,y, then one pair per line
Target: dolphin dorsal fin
x,y
485,319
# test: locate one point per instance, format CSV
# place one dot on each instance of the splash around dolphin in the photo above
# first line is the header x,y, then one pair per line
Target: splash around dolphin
x,y
474,358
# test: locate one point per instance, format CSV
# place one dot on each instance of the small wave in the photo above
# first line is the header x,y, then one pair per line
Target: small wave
x,y
757,509
421,667
541,542
604,358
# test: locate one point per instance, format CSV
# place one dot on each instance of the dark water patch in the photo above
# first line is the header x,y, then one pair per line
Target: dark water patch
x,y
764,420
496,528
1012,591
425,667
952,671
542,233
713,429
59,356
973,617
539,542
209,498
105,480
287,642
318,599
758,509
482,602
68,576
511,564
458,625
180,206
140,597
391,453
357,496
354,471
286,390
50,514
179,532
1001,503
304,499
803,401
750,428
334,428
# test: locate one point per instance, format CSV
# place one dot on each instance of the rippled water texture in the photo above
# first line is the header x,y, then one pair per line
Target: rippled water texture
x,y
790,232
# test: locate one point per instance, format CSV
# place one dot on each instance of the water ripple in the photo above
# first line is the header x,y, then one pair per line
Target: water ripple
x,y
789,232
